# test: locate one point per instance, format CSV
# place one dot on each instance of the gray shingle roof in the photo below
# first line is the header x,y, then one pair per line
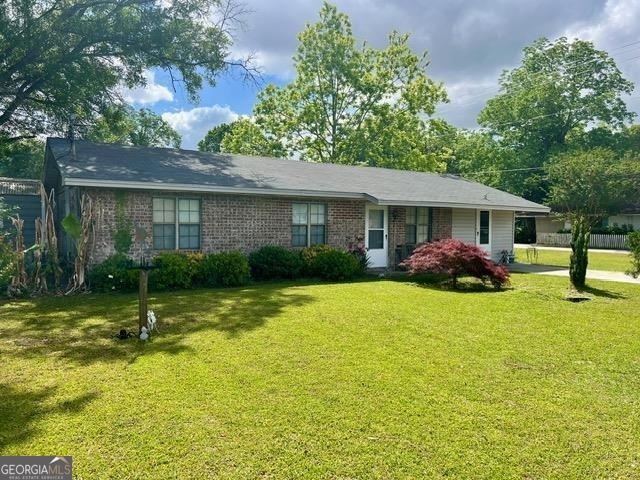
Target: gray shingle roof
x,y
185,170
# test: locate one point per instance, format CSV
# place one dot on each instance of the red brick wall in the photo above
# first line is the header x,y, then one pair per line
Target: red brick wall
x,y
442,223
228,222
247,222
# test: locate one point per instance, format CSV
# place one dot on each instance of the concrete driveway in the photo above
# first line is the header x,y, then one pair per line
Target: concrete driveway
x,y
564,272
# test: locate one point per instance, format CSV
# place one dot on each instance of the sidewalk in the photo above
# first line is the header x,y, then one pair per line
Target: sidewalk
x,y
564,272
567,249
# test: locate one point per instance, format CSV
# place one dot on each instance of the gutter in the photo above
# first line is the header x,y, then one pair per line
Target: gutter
x,y
511,208
182,187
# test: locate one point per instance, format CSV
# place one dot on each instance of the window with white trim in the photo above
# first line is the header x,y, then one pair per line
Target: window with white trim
x,y
417,225
309,224
176,223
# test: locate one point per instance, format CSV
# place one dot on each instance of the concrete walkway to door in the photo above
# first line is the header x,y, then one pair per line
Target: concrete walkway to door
x,y
564,272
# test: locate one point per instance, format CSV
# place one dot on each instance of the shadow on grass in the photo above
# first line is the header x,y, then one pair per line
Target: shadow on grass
x,y
599,292
442,282
20,410
83,328
232,311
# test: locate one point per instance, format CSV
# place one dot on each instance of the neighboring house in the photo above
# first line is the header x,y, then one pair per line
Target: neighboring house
x,y
557,223
197,201
551,224
626,217
25,197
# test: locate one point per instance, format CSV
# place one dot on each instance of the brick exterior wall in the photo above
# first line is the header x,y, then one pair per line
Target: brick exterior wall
x,y
441,228
248,222
442,223
228,222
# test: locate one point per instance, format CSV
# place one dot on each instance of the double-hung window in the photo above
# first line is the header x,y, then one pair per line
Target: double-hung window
x,y
309,224
176,223
417,225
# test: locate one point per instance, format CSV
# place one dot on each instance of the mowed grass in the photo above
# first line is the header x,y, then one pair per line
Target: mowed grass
x,y
376,379
612,262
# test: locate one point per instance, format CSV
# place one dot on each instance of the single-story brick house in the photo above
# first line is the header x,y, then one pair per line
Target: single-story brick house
x,y
189,200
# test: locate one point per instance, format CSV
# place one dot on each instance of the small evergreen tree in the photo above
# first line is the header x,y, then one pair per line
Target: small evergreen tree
x,y
634,247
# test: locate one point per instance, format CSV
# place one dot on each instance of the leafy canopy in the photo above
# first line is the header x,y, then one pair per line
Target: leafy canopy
x,y
124,125
592,183
245,137
64,57
585,186
352,105
22,158
456,259
212,140
561,87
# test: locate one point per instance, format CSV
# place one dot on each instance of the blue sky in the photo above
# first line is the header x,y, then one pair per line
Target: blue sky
x,y
469,43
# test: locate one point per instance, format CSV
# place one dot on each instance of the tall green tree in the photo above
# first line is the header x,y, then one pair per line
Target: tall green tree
x,y
212,140
560,87
352,105
480,157
124,125
246,138
22,158
586,186
66,57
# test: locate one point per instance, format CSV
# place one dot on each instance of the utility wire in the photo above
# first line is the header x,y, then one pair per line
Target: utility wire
x,y
542,76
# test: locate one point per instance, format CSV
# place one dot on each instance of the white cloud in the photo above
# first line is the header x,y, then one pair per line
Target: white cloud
x,y
469,45
618,21
194,124
149,94
616,32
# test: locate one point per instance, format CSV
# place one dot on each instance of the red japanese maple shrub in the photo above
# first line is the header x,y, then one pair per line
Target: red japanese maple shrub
x,y
456,259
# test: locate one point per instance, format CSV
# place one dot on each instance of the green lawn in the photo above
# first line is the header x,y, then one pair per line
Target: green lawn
x,y
376,379
613,262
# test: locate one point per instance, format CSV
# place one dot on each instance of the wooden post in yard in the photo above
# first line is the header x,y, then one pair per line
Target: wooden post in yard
x,y
142,299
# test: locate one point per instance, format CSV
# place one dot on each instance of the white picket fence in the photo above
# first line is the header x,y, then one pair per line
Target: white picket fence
x,y
597,240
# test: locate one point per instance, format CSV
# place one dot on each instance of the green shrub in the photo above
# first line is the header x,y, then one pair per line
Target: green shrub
x,y
115,273
634,246
309,255
456,259
614,229
357,249
174,270
336,264
227,269
272,262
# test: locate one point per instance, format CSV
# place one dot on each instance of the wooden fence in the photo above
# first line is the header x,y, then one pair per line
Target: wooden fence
x,y
597,240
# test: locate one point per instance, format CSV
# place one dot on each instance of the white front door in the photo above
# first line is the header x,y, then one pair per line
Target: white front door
x,y
483,230
376,237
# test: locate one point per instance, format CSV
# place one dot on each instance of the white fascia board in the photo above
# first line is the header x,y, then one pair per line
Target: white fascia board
x,y
180,187
511,208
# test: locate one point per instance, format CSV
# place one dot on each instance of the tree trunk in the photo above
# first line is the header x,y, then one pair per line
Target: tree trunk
x,y
579,259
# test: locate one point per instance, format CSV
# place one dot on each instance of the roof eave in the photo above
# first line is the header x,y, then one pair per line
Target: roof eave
x,y
189,188
192,188
511,208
